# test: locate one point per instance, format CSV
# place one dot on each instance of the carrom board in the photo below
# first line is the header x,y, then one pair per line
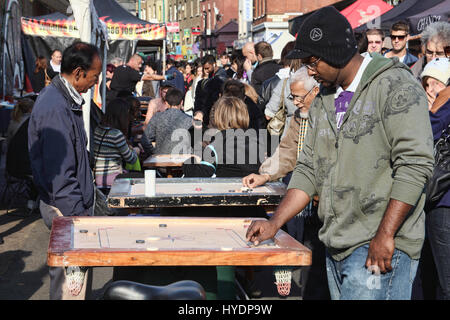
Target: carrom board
x,y
168,241
166,160
179,192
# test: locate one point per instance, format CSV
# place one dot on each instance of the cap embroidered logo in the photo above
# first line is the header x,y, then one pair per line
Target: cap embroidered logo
x,y
316,34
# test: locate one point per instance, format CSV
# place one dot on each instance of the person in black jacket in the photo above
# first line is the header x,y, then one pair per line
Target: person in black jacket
x,y
40,74
207,91
235,88
267,67
287,66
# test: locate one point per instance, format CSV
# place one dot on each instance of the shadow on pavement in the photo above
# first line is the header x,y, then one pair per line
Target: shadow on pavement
x,y
16,215
15,283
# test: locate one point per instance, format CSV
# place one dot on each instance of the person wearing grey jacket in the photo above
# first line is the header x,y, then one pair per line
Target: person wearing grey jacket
x,y
163,128
275,102
367,154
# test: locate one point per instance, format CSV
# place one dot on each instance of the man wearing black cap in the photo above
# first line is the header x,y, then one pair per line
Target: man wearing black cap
x,y
367,155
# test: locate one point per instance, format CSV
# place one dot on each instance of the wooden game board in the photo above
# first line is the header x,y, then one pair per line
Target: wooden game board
x,y
168,241
179,192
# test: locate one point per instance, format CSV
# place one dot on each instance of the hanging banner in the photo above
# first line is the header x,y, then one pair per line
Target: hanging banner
x,y
116,30
176,37
51,28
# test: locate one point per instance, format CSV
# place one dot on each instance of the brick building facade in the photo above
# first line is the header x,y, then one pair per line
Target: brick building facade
x,y
270,19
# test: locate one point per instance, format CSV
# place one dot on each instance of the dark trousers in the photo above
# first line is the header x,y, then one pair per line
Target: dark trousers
x,y
313,278
438,229
433,275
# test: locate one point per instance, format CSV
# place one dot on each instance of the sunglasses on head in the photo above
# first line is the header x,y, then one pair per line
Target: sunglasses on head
x,y
398,37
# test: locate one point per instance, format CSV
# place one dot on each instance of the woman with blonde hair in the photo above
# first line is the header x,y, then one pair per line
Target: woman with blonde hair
x,y
233,150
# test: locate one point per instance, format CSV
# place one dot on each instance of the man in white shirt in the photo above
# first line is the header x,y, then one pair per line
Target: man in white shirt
x,y
55,63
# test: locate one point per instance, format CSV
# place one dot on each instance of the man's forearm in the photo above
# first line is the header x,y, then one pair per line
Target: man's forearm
x,y
393,218
293,202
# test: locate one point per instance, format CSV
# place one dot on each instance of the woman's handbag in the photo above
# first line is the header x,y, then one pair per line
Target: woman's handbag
x,y
101,204
136,166
439,183
277,123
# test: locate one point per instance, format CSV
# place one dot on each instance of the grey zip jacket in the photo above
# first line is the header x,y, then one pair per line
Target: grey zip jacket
x,y
383,151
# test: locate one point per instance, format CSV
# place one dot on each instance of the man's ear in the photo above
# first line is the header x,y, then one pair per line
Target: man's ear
x,y
316,90
77,73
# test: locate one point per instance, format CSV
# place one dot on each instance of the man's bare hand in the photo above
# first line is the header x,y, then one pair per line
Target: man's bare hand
x,y
247,65
382,246
254,180
198,116
258,231
381,250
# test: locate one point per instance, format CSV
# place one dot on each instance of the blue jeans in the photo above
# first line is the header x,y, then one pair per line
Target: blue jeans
x,y
349,279
438,229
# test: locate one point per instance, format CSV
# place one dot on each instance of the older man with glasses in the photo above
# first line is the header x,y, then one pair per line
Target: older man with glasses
x,y
399,39
368,171
435,40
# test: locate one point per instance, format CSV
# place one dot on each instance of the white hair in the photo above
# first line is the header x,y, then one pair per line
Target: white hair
x,y
301,75
117,61
437,31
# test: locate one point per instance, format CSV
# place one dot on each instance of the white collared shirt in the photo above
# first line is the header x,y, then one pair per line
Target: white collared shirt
x,y
357,79
73,93
55,67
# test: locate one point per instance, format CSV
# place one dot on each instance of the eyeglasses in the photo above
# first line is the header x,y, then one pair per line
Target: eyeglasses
x,y
398,37
312,65
374,42
300,99
438,54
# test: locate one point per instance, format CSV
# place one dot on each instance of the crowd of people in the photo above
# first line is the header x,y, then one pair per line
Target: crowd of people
x,y
348,125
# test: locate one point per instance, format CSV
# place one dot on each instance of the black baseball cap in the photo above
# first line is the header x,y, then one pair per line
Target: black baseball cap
x,y
325,34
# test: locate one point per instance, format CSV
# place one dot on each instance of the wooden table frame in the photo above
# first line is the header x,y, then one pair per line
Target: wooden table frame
x,y
61,251
120,197
171,163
